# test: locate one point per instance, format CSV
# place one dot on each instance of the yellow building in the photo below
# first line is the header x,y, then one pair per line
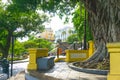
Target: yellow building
x,y
47,34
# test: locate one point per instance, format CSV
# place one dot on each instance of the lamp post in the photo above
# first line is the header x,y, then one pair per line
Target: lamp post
x,y
85,47
12,55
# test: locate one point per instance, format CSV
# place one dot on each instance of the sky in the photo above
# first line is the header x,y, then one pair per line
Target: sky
x,y
56,23
4,1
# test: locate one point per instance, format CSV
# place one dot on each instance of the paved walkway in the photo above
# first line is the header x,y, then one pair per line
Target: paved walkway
x,y
16,69
63,72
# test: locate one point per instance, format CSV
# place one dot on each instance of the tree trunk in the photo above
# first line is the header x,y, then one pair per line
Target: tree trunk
x,y
6,47
104,21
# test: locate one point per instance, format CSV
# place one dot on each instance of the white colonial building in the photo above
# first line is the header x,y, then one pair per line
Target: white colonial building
x,y
64,33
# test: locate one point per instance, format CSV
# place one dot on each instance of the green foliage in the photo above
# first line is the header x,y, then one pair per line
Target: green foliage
x,y
18,48
79,23
72,38
24,5
21,47
42,43
15,59
66,8
0,55
34,42
63,8
18,19
30,44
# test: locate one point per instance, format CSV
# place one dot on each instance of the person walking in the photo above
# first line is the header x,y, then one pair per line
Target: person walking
x,y
57,51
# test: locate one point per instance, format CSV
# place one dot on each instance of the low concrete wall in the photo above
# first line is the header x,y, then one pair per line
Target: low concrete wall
x,y
114,50
80,55
76,55
34,53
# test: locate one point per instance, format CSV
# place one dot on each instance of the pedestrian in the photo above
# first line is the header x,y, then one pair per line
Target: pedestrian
x,y
58,50
5,66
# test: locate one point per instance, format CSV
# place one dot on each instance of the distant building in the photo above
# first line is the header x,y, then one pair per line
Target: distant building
x,y
47,34
64,33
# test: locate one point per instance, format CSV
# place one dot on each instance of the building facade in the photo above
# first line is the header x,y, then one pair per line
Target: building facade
x,y
47,34
64,33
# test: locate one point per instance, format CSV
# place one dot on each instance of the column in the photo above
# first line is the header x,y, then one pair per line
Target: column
x,y
91,48
35,53
114,50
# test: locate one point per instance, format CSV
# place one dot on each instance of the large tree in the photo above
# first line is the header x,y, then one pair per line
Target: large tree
x,y
104,22
17,21
103,18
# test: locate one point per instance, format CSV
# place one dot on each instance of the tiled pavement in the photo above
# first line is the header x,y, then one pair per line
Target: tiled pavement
x,y
63,72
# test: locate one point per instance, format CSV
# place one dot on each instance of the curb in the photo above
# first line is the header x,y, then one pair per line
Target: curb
x,y
29,77
19,61
14,62
92,71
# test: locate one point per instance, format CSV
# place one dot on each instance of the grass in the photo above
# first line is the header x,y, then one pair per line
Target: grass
x,y
15,59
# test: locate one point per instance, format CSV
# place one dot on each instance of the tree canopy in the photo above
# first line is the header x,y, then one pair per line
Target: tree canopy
x,y
17,23
103,22
19,18
79,22
103,19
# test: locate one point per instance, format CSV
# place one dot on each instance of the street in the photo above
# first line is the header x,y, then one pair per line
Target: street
x,y
18,67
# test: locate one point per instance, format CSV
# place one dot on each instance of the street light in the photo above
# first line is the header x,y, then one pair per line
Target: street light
x,y
85,47
12,55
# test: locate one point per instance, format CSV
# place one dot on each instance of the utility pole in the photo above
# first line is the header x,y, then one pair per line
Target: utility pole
x,y
12,55
85,47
